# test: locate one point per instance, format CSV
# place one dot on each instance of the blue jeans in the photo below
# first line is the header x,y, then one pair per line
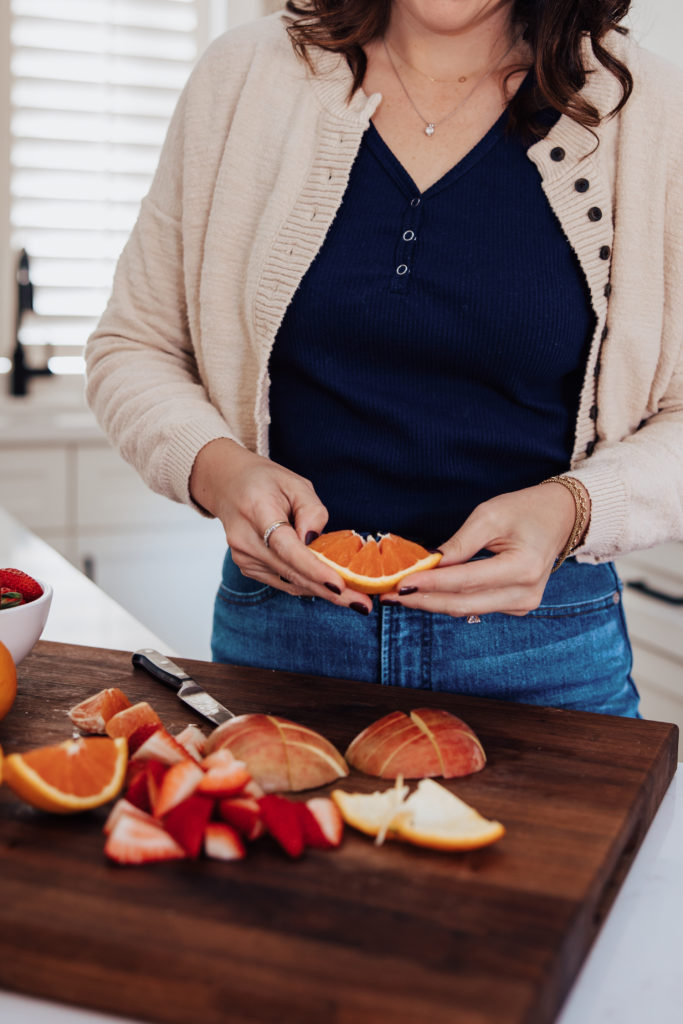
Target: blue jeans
x,y
571,652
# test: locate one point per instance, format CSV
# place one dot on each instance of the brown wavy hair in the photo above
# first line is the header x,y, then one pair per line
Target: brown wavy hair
x,y
554,30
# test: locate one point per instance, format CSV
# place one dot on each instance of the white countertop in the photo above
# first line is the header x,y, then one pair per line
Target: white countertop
x,y
632,974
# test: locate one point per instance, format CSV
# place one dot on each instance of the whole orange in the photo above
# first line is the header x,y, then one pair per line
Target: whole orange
x,y
8,681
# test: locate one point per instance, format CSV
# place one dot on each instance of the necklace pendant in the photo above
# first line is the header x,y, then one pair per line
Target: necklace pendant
x,y
429,128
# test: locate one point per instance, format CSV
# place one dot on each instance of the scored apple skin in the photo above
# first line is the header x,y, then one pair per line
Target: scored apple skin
x,y
281,755
428,743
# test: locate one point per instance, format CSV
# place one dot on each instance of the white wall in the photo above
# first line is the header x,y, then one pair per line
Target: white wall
x,y
658,25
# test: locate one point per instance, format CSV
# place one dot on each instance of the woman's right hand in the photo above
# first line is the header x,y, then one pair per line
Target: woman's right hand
x,y
248,493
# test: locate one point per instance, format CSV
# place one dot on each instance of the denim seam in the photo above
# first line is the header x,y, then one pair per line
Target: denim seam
x,y
566,611
257,597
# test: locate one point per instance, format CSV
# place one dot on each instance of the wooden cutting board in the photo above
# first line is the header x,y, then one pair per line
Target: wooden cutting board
x,y
362,934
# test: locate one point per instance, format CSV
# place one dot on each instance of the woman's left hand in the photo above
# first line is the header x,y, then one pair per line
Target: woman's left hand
x,y
524,530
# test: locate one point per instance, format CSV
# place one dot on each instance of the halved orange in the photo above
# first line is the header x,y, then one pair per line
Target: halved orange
x,y
8,680
72,776
370,565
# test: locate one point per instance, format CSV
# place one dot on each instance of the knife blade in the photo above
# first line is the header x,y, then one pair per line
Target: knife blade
x,y
165,670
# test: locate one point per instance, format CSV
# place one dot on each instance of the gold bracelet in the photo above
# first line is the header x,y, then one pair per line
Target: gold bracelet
x,y
581,517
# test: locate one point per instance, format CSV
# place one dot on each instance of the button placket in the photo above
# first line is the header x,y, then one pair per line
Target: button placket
x,y
405,246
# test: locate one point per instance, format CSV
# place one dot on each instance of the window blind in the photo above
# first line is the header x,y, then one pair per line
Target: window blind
x,y
93,84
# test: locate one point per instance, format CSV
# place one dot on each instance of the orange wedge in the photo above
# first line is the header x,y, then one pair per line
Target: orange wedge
x,y
431,816
8,680
369,565
72,776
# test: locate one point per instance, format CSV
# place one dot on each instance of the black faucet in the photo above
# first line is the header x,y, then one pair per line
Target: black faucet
x,y
21,373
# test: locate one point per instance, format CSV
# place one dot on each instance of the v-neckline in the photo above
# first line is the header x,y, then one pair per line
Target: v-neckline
x,y
390,162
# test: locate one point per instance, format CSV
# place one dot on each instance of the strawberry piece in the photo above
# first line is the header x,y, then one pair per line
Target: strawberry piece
x,y
253,788
154,777
160,746
225,776
179,782
194,741
134,841
244,814
221,842
137,792
20,582
138,737
187,821
322,823
10,598
283,822
122,807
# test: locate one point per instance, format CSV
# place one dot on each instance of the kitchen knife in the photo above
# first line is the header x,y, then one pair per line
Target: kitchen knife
x,y
173,675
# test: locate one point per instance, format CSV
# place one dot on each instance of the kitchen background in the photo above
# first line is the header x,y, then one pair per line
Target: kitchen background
x,y
86,91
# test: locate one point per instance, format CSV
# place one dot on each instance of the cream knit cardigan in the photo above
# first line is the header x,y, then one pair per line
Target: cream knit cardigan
x,y
254,167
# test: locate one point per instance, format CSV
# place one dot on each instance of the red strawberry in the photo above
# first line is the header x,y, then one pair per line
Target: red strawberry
x,y
10,598
225,775
221,842
179,782
283,822
160,746
244,814
139,735
21,582
187,821
121,808
134,841
137,792
154,776
193,739
322,823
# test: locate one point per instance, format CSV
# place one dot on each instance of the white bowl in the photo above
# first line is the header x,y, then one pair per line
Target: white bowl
x,y
21,626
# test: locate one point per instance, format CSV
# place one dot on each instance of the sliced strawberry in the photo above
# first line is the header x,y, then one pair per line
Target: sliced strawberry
x,y
139,735
187,821
179,782
154,776
225,776
137,792
22,583
221,842
134,841
283,822
244,814
161,746
322,823
253,788
193,739
122,807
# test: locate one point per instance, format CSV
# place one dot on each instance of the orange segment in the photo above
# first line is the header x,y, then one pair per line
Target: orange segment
x,y
93,713
8,680
372,566
125,723
73,776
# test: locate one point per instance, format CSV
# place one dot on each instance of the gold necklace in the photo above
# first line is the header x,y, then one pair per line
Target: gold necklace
x,y
431,126
434,81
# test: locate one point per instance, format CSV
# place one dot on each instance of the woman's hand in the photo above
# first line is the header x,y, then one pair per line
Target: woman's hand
x,y
525,530
249,493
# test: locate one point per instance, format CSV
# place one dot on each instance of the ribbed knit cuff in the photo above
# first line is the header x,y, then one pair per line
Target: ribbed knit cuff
x,y
182,450
609,497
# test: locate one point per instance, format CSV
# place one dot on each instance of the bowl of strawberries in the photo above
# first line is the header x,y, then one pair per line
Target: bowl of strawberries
x,y
24,607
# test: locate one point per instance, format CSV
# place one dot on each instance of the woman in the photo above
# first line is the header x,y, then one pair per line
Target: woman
x,y
415,266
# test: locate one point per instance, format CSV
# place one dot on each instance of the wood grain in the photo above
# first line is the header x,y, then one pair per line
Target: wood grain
x,y
362,934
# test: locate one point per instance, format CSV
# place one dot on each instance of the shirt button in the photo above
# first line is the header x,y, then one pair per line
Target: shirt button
x,y
605,252
408,236
582,185
608,290
595,213
401,269
415,201
594,412
557,154
590,448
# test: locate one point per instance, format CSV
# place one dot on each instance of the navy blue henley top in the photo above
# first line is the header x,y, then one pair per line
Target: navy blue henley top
x,y
433,354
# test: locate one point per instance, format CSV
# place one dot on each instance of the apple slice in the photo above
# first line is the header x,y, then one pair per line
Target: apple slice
x,y
280,755
429,742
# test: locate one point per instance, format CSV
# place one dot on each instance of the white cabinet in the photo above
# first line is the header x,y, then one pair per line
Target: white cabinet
x,y
653,602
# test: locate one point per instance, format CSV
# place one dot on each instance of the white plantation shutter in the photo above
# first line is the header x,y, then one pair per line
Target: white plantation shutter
x,y
93,85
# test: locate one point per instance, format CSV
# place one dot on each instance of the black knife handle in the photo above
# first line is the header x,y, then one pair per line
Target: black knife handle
x,y
171,676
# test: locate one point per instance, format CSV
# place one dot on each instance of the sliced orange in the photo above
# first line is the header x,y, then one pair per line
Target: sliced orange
x,y
126,722
93,713
72,776
8,680
369,565
432,816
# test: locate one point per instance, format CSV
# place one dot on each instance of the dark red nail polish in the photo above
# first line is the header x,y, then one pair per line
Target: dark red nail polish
x,y
360,608
435,551
389,600
334,588
311,535
404,591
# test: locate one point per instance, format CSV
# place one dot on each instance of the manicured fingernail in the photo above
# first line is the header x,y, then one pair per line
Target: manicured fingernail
x,y
334,588
284,580
311,535
435,551
404,591
360,608
389,600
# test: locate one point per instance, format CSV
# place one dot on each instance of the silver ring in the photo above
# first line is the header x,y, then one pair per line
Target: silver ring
x,y
271,529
